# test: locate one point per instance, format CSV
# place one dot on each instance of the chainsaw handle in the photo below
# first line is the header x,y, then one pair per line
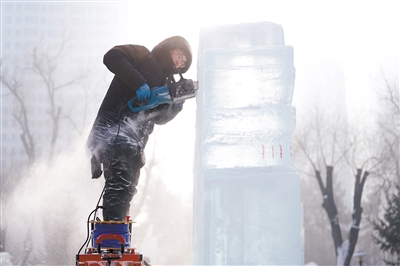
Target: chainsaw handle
x,y
159,95
102,237
151,104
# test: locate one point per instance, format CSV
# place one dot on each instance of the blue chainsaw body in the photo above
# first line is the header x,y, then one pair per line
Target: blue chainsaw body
x,y
176,92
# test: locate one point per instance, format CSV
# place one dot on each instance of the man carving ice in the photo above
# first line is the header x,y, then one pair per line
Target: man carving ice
x,y
119,136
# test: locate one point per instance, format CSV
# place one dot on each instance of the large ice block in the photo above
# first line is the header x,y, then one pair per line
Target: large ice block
x,y
247,207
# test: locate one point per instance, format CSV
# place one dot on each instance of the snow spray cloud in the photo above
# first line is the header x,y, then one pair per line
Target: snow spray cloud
x,y
45,218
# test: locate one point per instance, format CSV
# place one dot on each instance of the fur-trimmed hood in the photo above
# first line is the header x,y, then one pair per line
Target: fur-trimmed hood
x,y
162,53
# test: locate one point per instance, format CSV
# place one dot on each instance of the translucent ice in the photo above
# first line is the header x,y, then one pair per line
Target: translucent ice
x,y
248,77
247,195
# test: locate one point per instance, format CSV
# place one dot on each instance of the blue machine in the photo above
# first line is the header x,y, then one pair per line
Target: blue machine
x,y
172,92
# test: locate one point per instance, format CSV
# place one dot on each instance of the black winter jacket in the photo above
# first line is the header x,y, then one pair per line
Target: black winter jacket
x,y
134,65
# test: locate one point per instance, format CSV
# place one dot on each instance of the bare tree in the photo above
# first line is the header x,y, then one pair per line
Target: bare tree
x,y
42,71
388,135
388,153
14,84
325,144
45,65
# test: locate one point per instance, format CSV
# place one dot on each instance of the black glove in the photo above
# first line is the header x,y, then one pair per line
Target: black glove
x,y
96,167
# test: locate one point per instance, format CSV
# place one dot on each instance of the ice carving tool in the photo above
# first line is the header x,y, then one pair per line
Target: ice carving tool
x,y
173,92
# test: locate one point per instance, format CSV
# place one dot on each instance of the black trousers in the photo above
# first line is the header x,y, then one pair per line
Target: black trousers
x,y
121,164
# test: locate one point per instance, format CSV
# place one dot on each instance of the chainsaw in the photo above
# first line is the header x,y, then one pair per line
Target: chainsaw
x,y
173,92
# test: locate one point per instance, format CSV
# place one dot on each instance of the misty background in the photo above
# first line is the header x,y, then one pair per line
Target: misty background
x,y
346,55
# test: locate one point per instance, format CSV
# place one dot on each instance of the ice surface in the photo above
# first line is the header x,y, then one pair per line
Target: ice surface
x,y
246,217
241,35
240,138
248,77
247,194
